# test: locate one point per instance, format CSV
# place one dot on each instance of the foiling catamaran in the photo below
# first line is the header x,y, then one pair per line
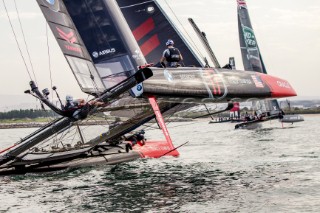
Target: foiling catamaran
x,y
109,46
252,61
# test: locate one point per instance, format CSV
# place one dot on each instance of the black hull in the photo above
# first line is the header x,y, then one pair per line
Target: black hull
x,y
225,121
112,156
199,85
292,119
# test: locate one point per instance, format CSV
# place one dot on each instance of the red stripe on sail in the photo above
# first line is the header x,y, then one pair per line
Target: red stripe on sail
x,y
68,37
150,45
143,29
242,3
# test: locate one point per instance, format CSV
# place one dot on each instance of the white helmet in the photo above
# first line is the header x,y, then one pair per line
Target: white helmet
x,y
169,43
69,98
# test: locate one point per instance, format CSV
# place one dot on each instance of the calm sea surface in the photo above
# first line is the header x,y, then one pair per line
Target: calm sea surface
x,y
271,169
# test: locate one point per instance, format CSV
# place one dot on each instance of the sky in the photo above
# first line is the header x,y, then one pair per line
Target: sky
x,y
288,34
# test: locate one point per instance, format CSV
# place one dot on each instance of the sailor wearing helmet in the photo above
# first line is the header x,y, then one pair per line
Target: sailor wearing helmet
x,y
76,104
79,108
172,55
69,103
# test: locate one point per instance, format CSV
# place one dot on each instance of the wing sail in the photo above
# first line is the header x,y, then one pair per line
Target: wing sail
x,y
107,38
95,40
71,45
251,57
151,28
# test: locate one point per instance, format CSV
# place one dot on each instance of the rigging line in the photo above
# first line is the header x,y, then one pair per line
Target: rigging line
x,y
169,116
166,118
56,141
182,125
96,22
101,31
49,59
94,83
15,37
25,42
175,149
185,31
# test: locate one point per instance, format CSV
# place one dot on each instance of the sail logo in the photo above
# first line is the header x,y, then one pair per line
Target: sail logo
x,y
96,54
69,37
52,4
249,37
242,3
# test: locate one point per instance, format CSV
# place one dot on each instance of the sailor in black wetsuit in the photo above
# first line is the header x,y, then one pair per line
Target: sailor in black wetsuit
x,y
70,104
79,108
172,55
137,138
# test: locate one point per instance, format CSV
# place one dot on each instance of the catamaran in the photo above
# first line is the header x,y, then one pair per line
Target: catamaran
x,y
110,46
252,61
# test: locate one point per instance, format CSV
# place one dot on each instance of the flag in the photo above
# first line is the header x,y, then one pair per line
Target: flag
x,y
257,81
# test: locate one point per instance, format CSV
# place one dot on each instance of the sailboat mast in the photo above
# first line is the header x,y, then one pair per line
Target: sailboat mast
x,y
125,32
205,42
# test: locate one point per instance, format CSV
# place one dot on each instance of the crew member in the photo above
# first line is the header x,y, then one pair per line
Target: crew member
x,y
70,104
172,55
137,138
80,107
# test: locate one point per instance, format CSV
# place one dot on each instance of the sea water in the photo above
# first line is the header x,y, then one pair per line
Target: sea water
x,y
271,169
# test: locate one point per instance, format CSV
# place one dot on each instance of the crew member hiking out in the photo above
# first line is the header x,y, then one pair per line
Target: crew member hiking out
x,y
73,108
172,55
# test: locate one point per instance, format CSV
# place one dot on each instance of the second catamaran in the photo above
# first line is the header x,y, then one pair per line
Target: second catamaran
x,y
252,61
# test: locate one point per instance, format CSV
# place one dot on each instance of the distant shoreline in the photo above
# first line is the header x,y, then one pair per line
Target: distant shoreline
x,y
33,124
20,125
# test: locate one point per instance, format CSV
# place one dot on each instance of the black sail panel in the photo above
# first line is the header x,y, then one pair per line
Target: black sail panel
x,y
107,37
151,29
71,45
251,57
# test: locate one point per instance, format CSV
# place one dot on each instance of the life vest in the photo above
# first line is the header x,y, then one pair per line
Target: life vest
x,y
174,55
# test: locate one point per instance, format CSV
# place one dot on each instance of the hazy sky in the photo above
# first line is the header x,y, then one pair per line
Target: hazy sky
x,y
288,33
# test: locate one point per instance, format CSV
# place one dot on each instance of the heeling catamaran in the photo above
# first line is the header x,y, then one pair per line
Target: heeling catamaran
x,y
252,61
107,74
104,56
152,28
147,20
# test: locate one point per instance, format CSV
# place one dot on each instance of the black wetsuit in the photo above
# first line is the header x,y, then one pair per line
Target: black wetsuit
x,y
172,56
